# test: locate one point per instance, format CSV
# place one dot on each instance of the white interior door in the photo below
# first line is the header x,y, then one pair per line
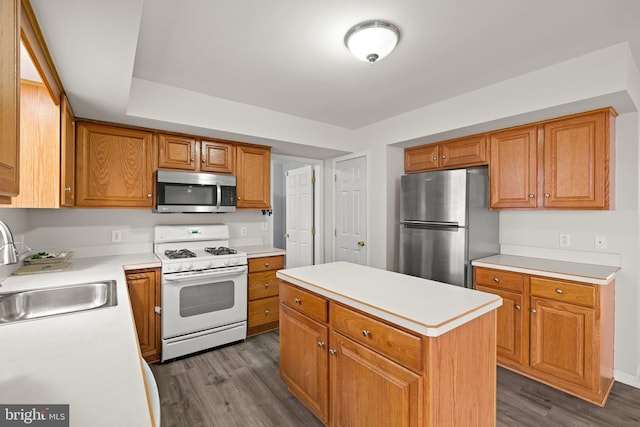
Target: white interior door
x,y
351,210
299,216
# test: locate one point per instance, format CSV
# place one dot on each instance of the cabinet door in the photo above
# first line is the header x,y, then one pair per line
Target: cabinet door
x,y
469,151
370,390
253,169
217,156
113,166
177,152
304,360
577,156
144,293
68,154
421,159
513,169
561,343
509,334
9,100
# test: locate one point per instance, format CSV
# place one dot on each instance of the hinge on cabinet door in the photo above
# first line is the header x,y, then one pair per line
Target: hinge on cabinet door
x,y
335,178
334,232
313,231
313,179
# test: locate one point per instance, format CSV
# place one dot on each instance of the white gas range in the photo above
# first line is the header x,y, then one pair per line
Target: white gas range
x,y
204,288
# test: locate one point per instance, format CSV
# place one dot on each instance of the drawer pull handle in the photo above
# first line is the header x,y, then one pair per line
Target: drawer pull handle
x,y
495,279
266,264
266,285
266,312
559,291
533,310
332,352
531,196
547,195
365,333
444,157
517,307
297,300
320,344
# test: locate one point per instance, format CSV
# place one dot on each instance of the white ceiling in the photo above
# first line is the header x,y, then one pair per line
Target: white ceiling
x,y
288,56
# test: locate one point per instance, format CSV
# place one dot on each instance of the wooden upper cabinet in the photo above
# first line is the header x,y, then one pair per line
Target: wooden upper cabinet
x,y
578,159
463,152
67,154
177,152
253,169
514,168
9,99
217,156
113,166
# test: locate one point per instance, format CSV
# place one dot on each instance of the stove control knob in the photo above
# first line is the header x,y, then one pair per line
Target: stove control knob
x,y
209,264
235,261
188,267
177,267
225,262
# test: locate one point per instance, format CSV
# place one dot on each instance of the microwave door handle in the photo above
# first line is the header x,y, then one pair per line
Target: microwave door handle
x,y
219,191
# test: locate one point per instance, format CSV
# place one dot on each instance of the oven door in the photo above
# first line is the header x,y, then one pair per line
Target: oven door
x,y
197,304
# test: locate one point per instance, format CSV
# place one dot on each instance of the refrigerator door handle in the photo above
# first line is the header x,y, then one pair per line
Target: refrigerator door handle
x,y
428,224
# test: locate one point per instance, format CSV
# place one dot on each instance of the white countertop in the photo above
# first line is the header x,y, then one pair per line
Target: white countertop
x,y
257,251
586,273
424,306
89,360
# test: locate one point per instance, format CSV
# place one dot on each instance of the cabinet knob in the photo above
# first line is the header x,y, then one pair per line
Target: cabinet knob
x,y
266,285
332,352
533,310
495,279
320,344
157,309
366,333
444,157
266,312
559,291
531,196
435,158
297,301
266,264
517,307
67,189
239,198
547,195
149,195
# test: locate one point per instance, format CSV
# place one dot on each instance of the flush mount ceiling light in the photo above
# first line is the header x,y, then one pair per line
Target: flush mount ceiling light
x,y
372,40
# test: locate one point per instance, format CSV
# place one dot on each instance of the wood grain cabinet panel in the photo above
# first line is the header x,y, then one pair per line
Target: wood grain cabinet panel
x,y
144,294
263,296
9,99
114,166
305,302
558,332
304,364
68,154
217,156
177,152
421,159
253,169
457,153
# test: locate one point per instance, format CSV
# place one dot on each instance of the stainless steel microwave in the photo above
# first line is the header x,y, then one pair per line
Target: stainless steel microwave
x,y
193,192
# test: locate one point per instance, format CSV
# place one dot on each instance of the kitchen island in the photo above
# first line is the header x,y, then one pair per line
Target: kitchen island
x,y
366,347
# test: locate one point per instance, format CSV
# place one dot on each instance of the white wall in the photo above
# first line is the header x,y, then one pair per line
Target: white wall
x,y
599,79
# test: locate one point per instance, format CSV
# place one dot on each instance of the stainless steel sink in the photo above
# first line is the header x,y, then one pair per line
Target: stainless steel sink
x,y
37,303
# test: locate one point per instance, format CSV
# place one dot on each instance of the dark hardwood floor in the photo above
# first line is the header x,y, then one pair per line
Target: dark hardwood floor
x,y
239,385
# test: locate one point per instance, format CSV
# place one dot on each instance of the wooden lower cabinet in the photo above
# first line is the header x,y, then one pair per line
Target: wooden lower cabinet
x,y
558,332
263,302
144,294
380,374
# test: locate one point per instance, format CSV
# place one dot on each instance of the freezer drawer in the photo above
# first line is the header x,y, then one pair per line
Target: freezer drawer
x,y
436,253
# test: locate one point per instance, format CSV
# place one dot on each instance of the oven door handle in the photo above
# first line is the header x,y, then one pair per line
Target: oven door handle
x,y
185,276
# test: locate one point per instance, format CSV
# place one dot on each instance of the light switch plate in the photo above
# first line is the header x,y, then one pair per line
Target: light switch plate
x,y
565,240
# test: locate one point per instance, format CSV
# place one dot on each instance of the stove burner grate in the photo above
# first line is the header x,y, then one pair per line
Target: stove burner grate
x,y
221,251
179,253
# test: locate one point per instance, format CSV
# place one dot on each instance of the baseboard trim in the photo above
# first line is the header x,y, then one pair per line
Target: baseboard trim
x,y
626,379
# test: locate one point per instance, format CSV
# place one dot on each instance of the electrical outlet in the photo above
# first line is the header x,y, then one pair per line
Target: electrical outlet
x,y
565,240
600,242
116,236
243,231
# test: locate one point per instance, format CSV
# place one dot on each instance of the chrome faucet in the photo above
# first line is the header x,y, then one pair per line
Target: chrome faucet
x,y
9,251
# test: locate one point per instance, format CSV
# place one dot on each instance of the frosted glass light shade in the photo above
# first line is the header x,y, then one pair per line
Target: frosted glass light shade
x,y
372,40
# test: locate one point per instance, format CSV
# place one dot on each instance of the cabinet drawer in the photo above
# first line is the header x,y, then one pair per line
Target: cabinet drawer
x,y
303,301
395,344
263,311
499,279
262,285
556,290
266,263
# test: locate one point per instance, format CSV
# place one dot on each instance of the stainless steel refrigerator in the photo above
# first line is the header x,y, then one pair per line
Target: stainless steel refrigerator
x,y
445,223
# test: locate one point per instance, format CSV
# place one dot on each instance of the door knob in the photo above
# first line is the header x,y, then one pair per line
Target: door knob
x,y
286,235
361,244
